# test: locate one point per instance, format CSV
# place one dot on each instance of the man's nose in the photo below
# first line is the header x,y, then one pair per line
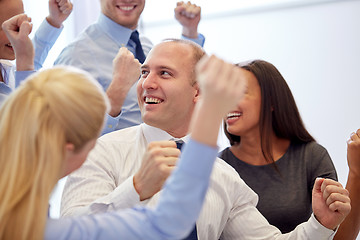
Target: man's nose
x,y
150,82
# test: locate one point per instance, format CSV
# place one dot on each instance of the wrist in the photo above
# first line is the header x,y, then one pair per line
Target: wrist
x,y
53,23
115,110
333,228
24,66
190,32
116,98
137,188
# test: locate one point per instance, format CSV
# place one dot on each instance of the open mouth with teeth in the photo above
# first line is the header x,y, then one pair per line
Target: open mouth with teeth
x,y
233,115
8,45
152,100
126,8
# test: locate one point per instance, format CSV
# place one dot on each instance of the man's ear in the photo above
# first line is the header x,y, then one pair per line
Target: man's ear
x,y
197,92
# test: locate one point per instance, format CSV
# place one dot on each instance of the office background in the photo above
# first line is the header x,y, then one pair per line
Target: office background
x,y
314,43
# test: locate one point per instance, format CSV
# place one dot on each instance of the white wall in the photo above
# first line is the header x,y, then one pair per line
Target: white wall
x,y
315,47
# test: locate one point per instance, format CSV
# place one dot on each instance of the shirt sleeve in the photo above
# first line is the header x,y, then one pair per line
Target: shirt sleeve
x,y
186,189
20,76
45,37
199,40
110,123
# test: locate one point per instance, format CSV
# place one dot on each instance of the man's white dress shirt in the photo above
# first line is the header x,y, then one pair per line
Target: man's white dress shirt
x,y
105,183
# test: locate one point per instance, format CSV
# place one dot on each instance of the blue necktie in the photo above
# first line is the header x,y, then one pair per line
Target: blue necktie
x,y
139,53
193,234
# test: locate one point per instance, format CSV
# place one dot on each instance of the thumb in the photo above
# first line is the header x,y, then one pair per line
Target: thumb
x,y
317,185
25,28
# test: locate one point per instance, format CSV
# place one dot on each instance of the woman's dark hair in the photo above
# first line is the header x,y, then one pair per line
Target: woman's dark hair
x,y
278,111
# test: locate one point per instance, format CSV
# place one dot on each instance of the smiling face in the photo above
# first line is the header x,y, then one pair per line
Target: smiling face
x,y
124,12
166,93
8,9
244,120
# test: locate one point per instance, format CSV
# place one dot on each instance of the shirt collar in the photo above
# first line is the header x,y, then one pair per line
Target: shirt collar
x,y
7,67
156,134
116,32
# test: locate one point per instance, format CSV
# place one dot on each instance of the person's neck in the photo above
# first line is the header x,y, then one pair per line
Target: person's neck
x,y
249,149
177,134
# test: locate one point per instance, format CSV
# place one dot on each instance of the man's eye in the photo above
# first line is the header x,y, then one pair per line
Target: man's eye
x,y
164,73
144,73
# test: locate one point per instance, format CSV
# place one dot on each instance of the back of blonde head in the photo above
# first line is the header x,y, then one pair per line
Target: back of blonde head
x,y
52,108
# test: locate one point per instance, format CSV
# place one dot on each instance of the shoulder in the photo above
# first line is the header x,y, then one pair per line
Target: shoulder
x,y
85,44
225,174
316,158
224,154
311,148
116,145
128,135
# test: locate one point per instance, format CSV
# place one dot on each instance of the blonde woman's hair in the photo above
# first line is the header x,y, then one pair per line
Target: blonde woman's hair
x,y
52,108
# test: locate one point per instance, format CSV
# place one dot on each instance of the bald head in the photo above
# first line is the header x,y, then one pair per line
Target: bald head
x,y
195,51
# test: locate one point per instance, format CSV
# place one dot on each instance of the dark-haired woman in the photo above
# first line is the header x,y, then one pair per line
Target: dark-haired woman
x,y
272,150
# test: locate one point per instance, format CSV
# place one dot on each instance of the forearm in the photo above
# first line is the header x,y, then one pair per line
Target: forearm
x,y
117,99
44,39
190,32
205,123
24,63
117,93
20,76
349,229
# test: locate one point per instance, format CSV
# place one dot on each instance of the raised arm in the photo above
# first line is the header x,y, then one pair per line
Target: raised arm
x,y
189,15
17,29
59,11
126,71
349,229
50,29
217,97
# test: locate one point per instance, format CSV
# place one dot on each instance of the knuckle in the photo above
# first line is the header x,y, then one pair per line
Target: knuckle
x,y
151,145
